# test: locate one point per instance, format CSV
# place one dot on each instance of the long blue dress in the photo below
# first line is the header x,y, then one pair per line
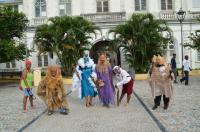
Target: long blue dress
x,y
87,88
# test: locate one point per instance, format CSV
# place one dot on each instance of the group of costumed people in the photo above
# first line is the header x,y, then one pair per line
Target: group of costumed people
x,y
95,80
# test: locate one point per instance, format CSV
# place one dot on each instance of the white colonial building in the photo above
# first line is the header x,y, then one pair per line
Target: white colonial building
x,y
107,14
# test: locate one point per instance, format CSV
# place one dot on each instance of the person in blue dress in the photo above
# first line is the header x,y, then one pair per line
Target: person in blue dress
x,y
86,69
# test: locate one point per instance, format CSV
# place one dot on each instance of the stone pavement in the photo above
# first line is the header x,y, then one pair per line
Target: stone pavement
x,y
97,119
11,116
182,115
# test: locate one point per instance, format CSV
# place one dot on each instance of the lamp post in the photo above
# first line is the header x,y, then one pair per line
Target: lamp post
x,y
181,16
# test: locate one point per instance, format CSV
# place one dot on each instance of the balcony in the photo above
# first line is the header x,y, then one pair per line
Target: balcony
x,y
38,21
105,17
171,15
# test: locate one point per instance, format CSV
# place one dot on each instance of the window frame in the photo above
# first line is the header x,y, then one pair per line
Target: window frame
x,y
39,59
198,56
67,7
45,60
40,8
102,7
166,2
140,5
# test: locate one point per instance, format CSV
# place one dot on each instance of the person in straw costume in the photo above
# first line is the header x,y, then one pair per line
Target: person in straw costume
x,y
160,79
51,91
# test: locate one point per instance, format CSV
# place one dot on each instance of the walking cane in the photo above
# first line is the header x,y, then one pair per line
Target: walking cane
x,y
117,95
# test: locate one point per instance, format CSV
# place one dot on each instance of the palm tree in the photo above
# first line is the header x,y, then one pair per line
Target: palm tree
x,y
66,37
141,37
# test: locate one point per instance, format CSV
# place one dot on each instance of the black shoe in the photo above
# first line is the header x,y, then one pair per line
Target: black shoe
x,y
181,80
166,107
154,107
175,82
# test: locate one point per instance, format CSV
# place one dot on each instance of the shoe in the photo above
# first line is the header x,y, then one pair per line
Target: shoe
x,y
166,107
175,82
64,111
50,113
181,80
154,107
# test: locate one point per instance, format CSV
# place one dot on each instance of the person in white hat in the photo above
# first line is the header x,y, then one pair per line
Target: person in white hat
x,y
126,81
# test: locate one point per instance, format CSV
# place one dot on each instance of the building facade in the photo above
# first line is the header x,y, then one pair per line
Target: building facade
x,y
107,14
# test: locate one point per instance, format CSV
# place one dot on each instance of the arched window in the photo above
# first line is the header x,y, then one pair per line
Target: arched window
x,y
40,8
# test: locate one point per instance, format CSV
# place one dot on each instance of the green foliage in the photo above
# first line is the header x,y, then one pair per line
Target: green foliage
x,y
12,26
141,37
66,36
195,38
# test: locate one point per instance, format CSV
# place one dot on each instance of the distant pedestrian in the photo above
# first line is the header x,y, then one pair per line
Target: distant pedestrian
x,y
173,67
186,69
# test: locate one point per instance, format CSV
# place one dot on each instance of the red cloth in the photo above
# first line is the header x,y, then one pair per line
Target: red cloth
x,y
128,87
27,62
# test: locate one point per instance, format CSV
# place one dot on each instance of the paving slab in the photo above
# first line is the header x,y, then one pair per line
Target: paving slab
x,y
183,114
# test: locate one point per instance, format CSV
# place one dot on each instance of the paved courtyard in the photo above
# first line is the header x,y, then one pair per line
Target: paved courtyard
x,y
182,115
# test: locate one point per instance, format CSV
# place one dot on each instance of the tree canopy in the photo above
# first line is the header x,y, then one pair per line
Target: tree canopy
x,y
141,37
12,27
65,36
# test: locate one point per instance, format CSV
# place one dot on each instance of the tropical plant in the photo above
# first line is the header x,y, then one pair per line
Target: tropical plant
x,y
12,27
195,39
141,37
65,36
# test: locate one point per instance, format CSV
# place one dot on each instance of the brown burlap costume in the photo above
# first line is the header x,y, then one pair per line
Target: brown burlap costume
x,y
160,79
51,91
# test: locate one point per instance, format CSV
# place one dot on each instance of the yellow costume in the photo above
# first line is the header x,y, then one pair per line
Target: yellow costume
x,y
51,91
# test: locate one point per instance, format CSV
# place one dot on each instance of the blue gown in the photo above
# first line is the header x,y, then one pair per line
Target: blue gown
x,y
86,87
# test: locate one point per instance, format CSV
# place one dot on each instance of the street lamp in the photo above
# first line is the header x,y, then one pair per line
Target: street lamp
x,y
181,16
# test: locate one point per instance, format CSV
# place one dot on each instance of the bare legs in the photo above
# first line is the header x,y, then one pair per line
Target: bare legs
x,y
122,96
88,101
31,100
25,102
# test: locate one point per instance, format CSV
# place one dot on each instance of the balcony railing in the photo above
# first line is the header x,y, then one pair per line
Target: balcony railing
x,y
105,17
38,21
171,15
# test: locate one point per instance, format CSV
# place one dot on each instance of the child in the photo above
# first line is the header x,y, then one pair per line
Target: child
x,y
126,81
27,84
